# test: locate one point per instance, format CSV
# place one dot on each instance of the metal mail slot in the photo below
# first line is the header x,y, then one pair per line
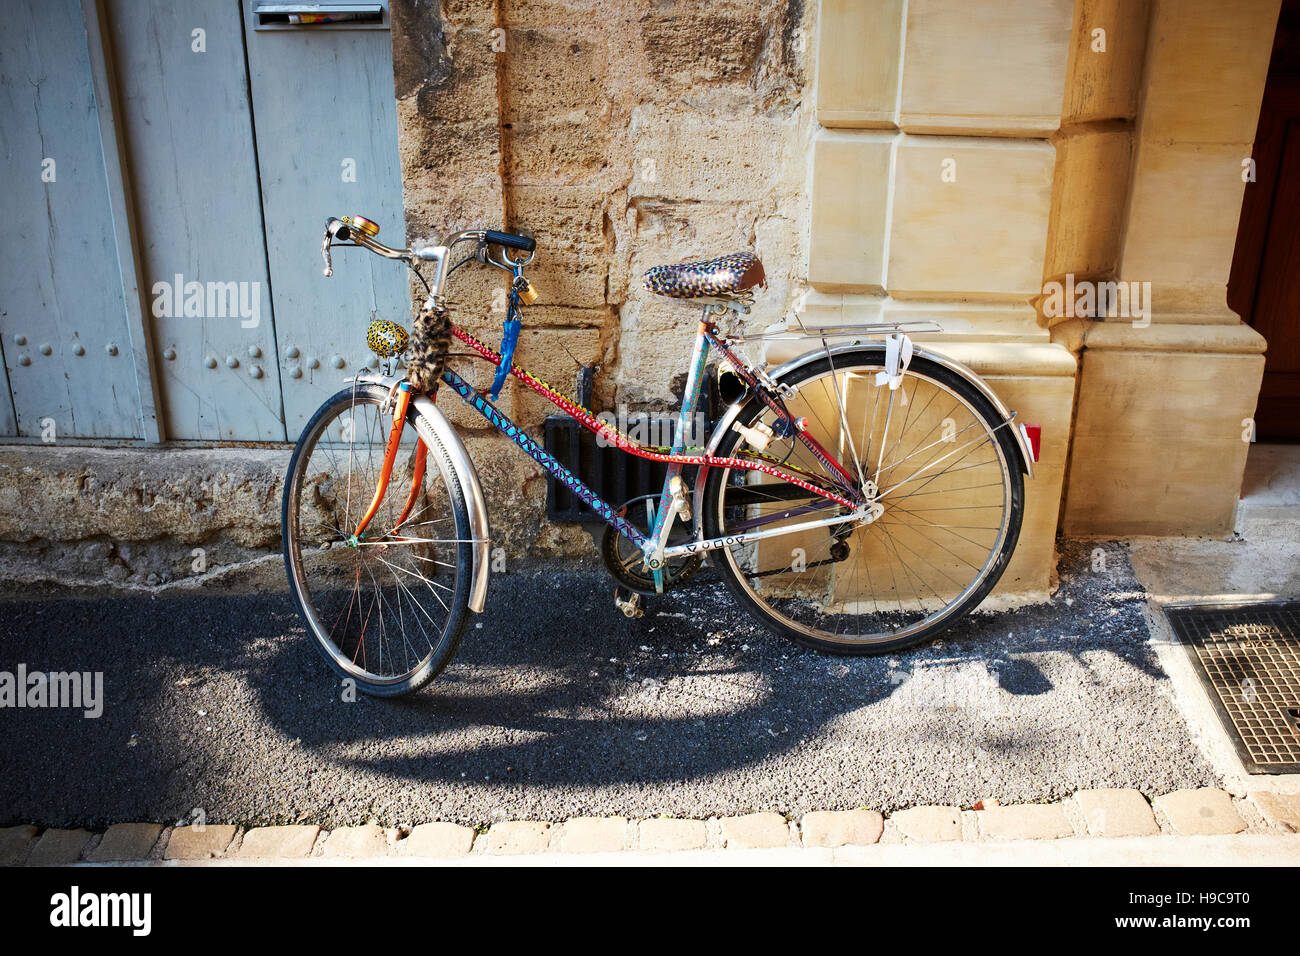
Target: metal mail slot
x,y
278,15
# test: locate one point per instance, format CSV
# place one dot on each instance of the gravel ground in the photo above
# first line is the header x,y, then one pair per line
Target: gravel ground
x,y
558,706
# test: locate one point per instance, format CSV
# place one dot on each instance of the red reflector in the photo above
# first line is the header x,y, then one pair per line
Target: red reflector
x,y
1034,435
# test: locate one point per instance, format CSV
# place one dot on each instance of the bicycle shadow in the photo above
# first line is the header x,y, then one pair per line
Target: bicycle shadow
x,y
555,688
559,705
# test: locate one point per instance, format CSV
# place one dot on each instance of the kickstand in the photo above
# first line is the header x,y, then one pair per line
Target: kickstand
x,y
629,602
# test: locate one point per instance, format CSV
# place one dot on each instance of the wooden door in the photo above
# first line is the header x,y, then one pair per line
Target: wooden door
x,y
326,121
189,133
66,338
1264,287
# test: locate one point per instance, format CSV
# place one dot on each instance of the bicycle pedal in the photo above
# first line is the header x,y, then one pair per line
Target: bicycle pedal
x,y
630,606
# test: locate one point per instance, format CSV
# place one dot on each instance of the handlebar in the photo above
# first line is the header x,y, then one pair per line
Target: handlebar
x,y
359,231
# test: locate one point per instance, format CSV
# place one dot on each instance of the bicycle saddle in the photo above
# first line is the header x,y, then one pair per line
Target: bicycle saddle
x,y
725,275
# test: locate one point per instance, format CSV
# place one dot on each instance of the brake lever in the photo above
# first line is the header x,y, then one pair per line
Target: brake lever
x,y
332,228
325,253
505,262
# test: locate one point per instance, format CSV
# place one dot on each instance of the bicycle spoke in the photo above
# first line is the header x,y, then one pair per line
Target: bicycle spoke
x,y
844,422
942,482
360,596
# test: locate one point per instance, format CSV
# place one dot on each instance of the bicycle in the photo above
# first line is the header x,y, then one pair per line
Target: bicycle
x,y
858,499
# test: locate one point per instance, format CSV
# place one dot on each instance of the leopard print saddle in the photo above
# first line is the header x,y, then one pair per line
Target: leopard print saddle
x,y
723,276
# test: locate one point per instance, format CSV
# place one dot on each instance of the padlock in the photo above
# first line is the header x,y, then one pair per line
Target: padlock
x,y
524,289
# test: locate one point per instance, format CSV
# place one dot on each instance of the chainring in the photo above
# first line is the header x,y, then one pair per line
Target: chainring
x,y
623,558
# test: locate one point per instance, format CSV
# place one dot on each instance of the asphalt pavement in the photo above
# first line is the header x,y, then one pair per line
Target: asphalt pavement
x,y
557,706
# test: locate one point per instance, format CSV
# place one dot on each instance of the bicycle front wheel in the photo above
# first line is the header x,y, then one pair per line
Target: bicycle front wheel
x,y
945,468
386,610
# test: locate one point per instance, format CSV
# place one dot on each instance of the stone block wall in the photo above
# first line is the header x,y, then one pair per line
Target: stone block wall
x,y
622,134
934,172
969,154
1154,163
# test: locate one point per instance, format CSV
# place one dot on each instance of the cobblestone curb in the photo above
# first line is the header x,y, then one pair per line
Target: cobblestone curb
x,y
1088,813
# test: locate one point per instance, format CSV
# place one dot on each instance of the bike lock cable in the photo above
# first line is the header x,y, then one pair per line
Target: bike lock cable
x,y
509,339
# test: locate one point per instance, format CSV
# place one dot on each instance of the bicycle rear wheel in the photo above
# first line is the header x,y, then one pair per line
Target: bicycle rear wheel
x,y
387,610
947,472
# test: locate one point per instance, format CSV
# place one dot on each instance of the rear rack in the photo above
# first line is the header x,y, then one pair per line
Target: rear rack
x,y
868,330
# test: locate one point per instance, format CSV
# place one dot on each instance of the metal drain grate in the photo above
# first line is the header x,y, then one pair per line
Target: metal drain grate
x,y
1248,657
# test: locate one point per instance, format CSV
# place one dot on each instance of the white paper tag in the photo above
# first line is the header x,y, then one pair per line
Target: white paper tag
x,y
898,355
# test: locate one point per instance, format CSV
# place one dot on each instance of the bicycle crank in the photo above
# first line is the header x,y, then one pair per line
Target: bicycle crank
x,y
625,561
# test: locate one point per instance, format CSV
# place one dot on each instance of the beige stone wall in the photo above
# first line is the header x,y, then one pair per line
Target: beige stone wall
x,y
934,174
1100,140
1161,138
622,134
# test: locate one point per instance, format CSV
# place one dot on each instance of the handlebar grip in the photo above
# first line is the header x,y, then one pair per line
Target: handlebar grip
x,y
336,228
510,240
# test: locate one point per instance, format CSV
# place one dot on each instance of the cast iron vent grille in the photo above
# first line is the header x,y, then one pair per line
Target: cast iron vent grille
x,y
1248,658
615,475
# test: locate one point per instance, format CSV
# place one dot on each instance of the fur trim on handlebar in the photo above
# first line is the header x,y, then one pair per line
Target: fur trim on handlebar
x,y
426,356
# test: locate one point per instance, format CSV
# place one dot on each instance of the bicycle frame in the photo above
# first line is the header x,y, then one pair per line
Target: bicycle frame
x,y
653,545
856,498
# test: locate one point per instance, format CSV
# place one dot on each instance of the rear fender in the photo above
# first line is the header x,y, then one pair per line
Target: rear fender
x,y
783,371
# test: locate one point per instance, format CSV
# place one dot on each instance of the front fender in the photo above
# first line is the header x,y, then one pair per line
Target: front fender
x,y
461,463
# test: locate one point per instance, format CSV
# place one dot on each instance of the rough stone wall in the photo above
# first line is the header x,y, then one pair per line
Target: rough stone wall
x,y
622,134
131,517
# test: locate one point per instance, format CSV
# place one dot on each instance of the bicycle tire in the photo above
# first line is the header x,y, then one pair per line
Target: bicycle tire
x,y
439,462
871,359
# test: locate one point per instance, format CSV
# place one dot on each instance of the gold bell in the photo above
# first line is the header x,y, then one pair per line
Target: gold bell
x,y
369,227
385,338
